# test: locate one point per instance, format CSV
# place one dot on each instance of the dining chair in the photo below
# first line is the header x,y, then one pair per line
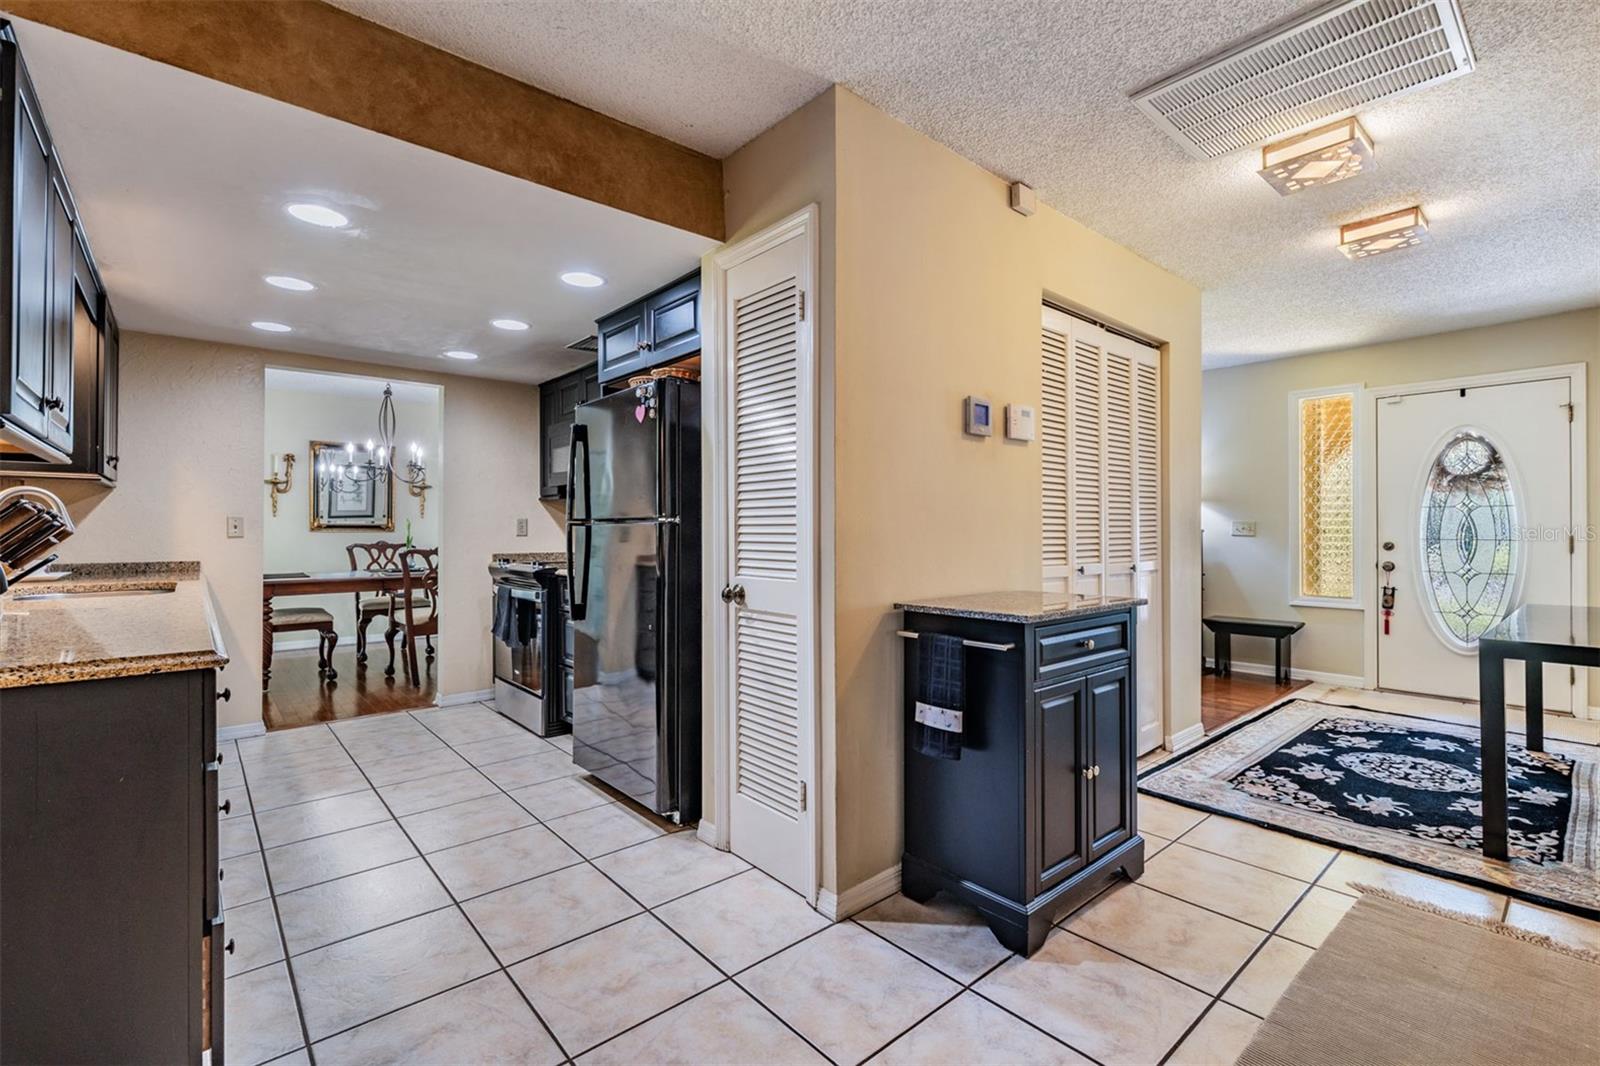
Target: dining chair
x,y
381,556
415,610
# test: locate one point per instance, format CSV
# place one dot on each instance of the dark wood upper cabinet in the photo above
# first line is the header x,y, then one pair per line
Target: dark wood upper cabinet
x,y
58,356
558,400
663,327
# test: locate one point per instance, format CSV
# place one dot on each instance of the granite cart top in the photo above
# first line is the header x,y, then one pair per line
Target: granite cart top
x,y
1019,606
108,620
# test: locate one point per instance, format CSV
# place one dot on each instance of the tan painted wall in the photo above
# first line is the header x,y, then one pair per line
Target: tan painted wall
x,y
192,454
1247,452
937,292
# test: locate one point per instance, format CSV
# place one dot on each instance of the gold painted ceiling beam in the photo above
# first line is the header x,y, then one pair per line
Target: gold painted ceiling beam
x,y
326,60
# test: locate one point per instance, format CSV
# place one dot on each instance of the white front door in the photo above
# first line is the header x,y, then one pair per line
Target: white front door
x,y
1474,504
768,365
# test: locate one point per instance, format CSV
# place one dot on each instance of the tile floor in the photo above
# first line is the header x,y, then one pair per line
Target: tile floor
x,y
442,887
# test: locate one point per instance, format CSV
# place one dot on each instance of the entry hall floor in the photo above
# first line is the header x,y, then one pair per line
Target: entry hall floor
x,y
441,886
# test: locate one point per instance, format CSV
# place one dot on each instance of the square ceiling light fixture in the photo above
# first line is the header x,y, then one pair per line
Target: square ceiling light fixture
x,y
1321,156
1405,228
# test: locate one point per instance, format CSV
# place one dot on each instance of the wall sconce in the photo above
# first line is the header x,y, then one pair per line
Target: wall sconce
x,y
281,485
1321,156
1405,228
420,491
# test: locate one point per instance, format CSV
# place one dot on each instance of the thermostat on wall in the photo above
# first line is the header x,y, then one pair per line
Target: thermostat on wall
x,y
1019,422
980,421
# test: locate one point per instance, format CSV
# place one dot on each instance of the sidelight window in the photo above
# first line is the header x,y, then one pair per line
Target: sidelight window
x,y
1325,519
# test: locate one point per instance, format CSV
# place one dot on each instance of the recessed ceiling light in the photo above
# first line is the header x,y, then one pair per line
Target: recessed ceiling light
x,y
271,327
1321,156
318,215
461,355
283,281
1405,228
582,279
515,325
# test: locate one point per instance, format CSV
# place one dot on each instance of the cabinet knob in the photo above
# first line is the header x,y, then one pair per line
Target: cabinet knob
x,y
228,947
53,403
112,460
1088,773
644,346
225,695
1087,644
226,808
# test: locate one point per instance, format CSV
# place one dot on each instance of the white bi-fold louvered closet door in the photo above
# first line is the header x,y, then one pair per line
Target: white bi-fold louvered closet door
x,y
1100,488
770,626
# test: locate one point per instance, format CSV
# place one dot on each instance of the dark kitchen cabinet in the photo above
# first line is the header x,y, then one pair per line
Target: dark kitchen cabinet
x,y
558,400
58,359
1038,813
112,935
661,328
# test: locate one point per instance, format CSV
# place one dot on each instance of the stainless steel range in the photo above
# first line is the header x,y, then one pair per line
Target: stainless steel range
x,y
530,646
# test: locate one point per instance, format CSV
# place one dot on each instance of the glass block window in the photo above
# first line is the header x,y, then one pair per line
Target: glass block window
x,y
1327,497
1470,557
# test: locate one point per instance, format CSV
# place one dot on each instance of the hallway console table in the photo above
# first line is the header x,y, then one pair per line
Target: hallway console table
x,y
1039,811
1536,634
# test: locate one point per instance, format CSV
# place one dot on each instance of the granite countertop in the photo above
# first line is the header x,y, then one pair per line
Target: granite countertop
x,y
553,558
169,629
1019,606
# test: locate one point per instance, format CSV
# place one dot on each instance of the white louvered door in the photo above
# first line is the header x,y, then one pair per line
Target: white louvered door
x,y
1100,489
771,537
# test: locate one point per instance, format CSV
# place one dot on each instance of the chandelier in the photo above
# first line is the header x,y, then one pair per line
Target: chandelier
x,y
379,463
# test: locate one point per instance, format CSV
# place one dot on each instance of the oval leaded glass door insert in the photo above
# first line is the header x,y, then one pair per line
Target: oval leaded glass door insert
x,y
1470,556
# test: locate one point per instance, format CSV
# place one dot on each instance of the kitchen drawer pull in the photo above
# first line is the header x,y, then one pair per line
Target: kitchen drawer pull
x,y
1087,644
225,695
228,947
227,806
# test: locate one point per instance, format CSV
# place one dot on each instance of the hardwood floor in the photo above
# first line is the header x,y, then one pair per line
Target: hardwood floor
x,y
1222,699
298,696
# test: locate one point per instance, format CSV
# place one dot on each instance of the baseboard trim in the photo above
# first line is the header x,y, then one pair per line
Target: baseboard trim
x,y
1184,739
1266,669
839,906
455,699
239,732
707,832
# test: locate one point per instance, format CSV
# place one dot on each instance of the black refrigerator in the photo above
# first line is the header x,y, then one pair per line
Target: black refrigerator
x,y
633,565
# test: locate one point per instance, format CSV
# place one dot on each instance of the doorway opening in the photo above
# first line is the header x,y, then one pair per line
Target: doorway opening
x,y
350,546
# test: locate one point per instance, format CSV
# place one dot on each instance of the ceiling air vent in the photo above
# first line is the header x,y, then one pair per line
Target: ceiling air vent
x,y
1325,64
590,343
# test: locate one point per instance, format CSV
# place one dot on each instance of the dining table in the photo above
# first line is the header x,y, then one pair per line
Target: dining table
x,y
320,583
1536,633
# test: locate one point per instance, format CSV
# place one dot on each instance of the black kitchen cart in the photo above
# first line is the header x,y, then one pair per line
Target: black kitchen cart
x,y
1039,812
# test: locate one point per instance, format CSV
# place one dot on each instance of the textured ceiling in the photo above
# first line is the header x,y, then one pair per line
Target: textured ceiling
x,y
1502,160
182,182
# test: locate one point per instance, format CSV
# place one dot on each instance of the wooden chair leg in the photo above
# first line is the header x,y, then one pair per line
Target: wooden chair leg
x,y
411,658
388,635
362,622
333,642
429,642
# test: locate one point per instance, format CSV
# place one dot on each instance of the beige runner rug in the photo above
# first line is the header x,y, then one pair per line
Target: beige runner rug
x,y
1401,982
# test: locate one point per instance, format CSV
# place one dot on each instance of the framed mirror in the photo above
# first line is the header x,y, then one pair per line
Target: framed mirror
x,y
339,502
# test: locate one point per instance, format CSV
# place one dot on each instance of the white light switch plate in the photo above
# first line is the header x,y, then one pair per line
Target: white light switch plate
x,y
1244,529
235,526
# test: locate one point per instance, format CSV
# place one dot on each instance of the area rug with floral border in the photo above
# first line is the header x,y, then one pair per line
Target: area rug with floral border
x,y
1404,789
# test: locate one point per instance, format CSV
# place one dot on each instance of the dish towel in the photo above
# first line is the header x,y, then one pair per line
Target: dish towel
x,y
504,626
941,688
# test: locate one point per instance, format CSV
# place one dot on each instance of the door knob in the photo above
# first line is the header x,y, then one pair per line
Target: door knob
x,y
733,594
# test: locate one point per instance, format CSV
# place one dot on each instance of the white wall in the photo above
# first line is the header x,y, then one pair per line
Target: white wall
x,y
302,407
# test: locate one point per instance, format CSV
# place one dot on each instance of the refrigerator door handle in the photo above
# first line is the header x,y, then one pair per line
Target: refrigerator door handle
x,y
580,471
578,580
